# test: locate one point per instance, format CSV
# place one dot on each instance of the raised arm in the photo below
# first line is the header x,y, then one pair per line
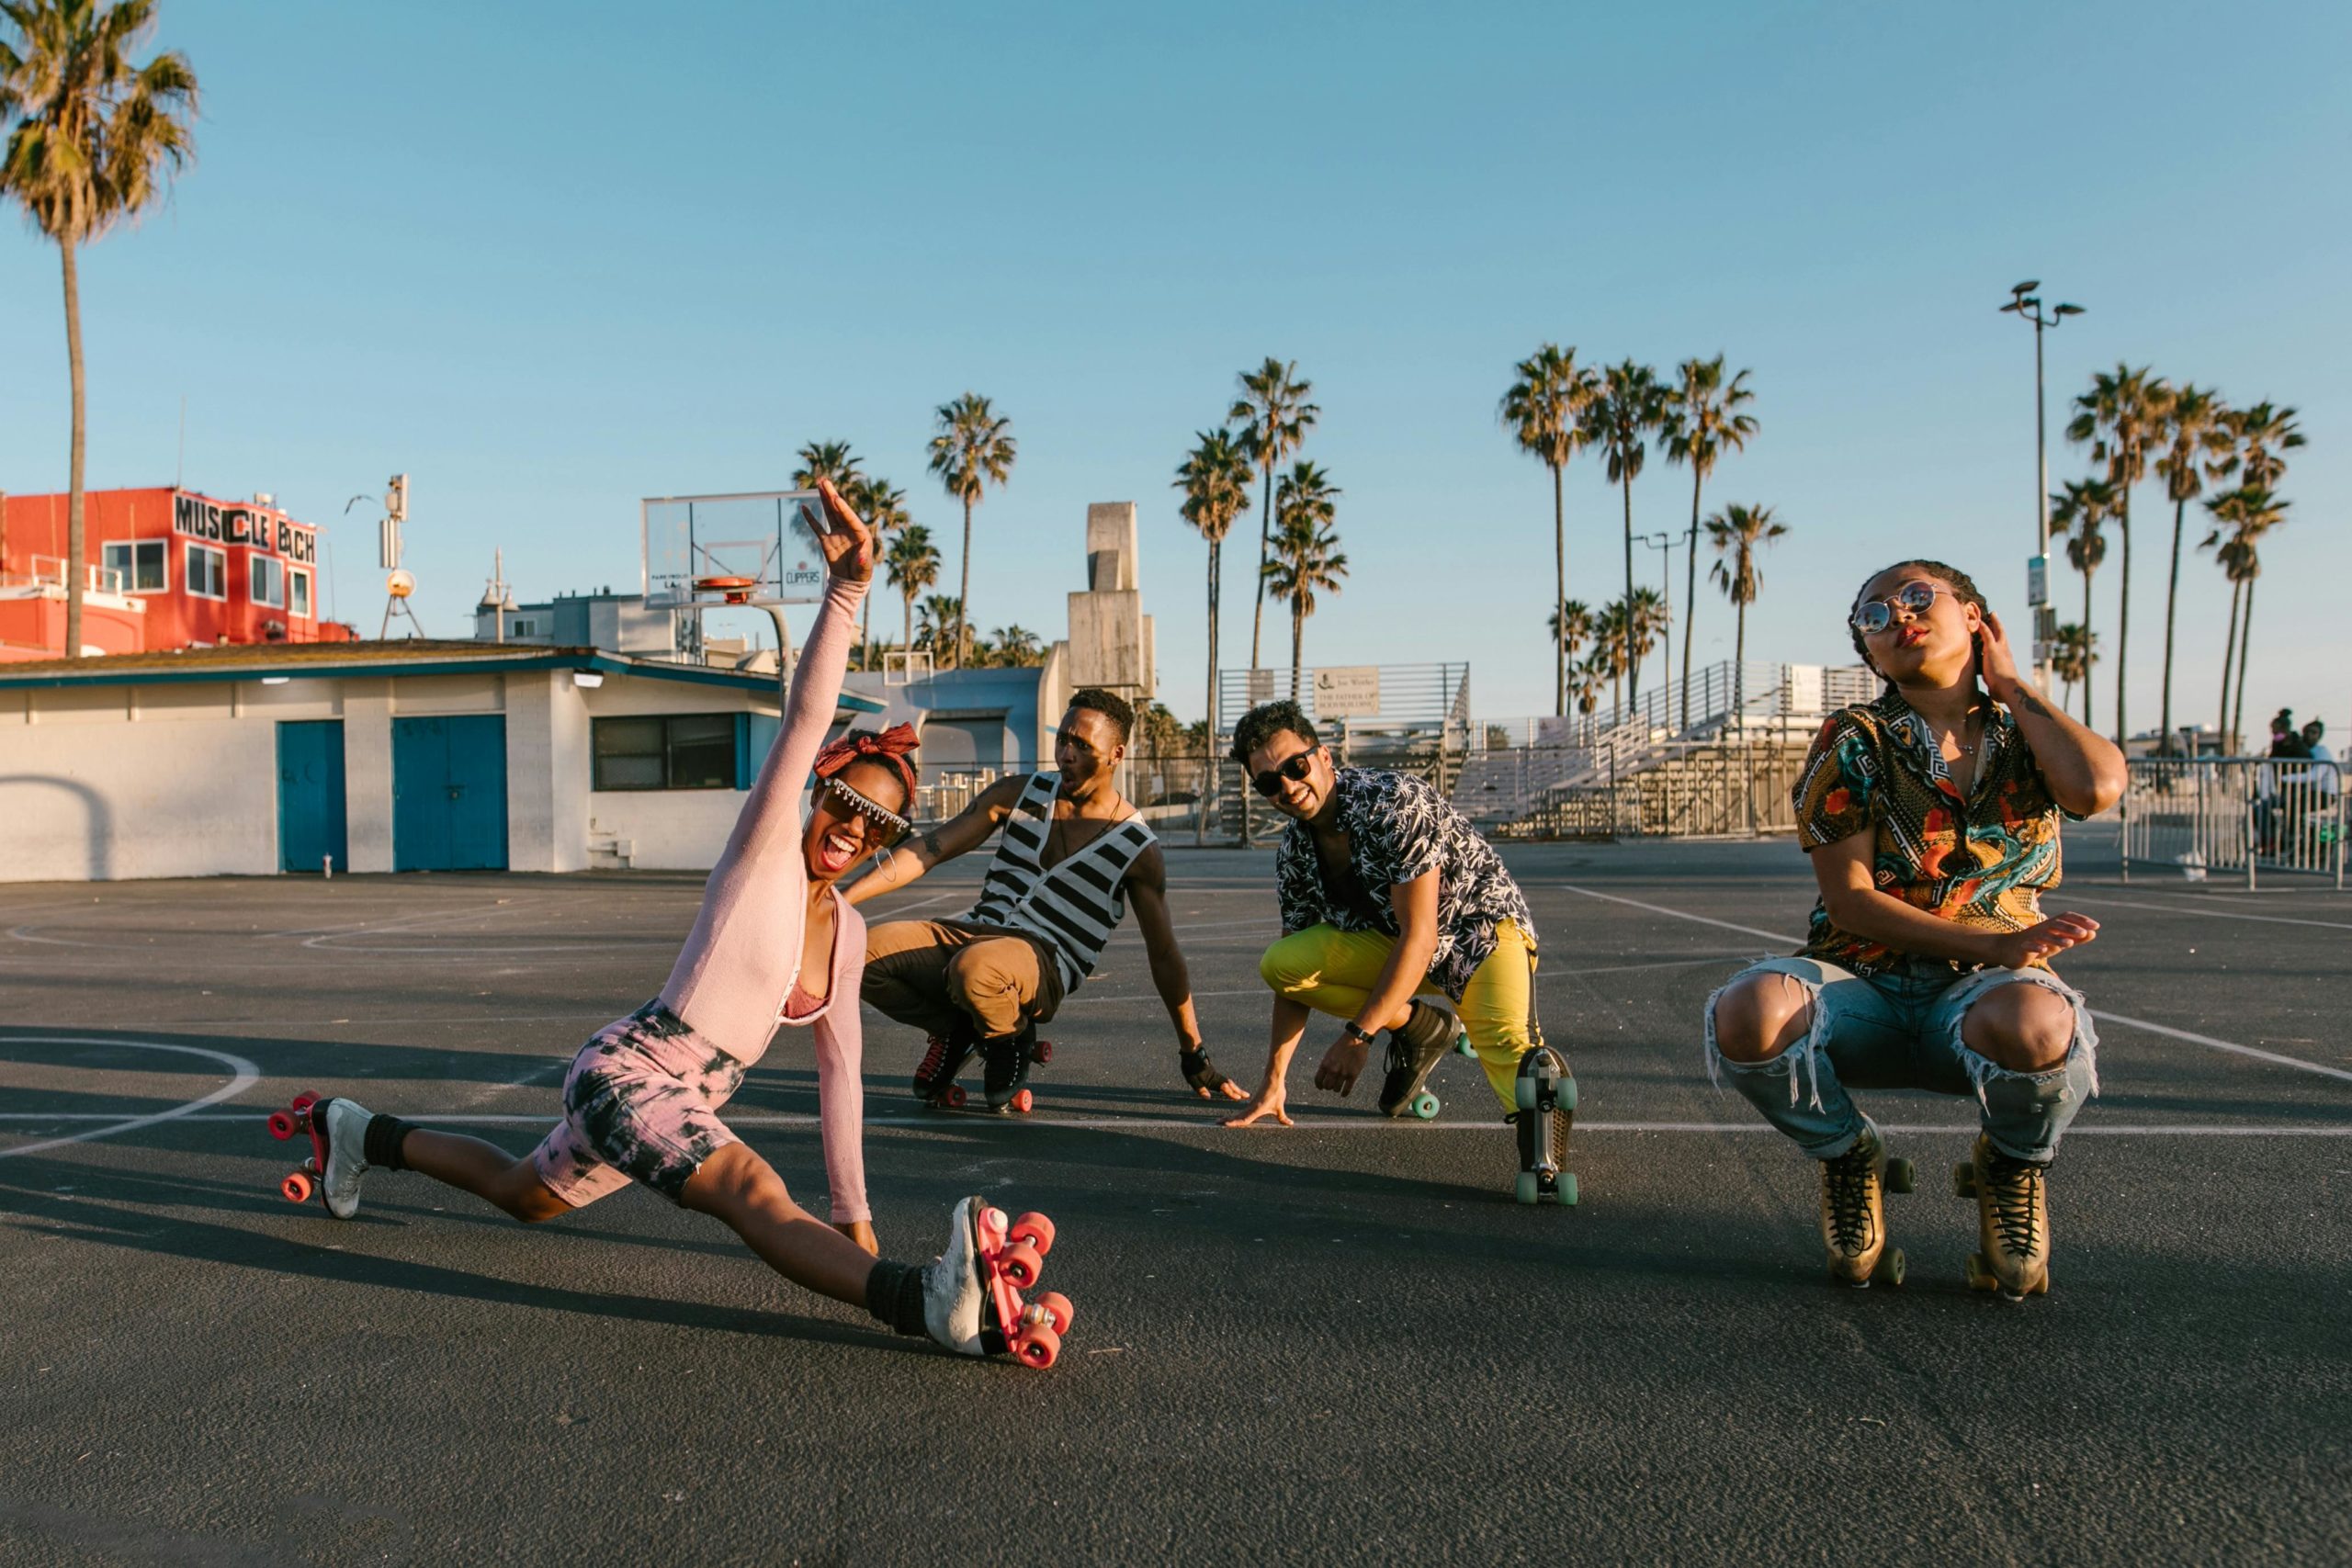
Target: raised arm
x,y
2085,771
961,834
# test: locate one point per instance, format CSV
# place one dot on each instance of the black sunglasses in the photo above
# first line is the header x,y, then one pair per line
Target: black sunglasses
x,y
893,826
1270,782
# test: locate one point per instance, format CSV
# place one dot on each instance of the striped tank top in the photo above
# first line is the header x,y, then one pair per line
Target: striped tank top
x,y
1072,907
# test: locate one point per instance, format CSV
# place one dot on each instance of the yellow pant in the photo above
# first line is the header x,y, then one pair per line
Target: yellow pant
x,y
1333,972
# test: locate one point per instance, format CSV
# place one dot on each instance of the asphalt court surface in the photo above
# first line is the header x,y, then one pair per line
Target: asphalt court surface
x,y
1341,1341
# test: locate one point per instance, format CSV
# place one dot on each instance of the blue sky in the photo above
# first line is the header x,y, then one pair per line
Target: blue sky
x,y
550,259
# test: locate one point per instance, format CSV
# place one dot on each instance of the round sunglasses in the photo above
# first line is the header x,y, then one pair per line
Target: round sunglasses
x,y
1874,615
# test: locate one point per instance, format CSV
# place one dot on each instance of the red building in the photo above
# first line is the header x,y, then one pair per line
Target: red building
x,y
163,569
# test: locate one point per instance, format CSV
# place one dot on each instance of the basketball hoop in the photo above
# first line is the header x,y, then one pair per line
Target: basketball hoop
x,y
730,590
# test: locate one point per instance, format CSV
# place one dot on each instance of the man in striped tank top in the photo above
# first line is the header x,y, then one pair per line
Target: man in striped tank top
x,y
1075,854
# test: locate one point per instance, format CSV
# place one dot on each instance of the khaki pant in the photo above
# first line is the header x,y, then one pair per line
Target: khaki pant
x,y
948,976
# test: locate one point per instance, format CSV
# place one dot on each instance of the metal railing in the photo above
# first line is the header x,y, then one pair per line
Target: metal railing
x,y
2236,816
1684,789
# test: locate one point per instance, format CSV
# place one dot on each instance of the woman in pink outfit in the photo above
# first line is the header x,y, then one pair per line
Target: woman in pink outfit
x,y
774,944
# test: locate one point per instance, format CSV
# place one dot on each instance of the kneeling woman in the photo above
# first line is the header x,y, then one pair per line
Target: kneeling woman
x,y
774,943
1932,816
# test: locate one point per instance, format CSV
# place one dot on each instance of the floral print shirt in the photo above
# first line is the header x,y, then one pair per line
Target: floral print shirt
x,y
1399,828
1981,861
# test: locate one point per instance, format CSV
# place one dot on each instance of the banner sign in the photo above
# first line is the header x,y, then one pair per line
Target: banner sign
x,y
202,519
1348,691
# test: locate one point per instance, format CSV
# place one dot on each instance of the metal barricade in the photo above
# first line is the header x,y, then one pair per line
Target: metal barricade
x,y
2235,816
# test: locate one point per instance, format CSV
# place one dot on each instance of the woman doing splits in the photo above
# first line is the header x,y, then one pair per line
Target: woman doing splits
x,y
774,943
1932,816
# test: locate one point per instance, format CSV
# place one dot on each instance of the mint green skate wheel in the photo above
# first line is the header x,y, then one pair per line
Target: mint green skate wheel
x,y
1461,1046
1425,1106
1528,1193
1522,1093
1568,1188
1900,1175
1566,1094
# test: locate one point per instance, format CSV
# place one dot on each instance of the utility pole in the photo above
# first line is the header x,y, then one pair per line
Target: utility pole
x,y
2025,305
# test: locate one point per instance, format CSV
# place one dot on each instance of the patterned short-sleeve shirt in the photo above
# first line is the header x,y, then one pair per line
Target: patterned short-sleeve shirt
x,y
1983,861
1399,828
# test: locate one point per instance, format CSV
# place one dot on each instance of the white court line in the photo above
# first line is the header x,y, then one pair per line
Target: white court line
x,y
940,1120
2215,914
2163,1029
245,1076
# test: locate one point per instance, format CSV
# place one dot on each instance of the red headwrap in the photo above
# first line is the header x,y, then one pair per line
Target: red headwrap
x,y
889,746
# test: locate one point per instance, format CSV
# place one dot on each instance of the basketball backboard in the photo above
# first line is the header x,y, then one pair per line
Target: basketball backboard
x,y
764,537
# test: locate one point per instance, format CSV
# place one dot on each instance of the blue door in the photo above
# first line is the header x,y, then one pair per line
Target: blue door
x,y
449,794
310,795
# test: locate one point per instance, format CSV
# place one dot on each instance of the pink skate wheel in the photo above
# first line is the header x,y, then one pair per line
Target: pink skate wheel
x,y
1056,1308
1019,1262
1022,1100
1038,1346
1036,1229
296,1188
281,1124
993,1220
953,1098
302,1103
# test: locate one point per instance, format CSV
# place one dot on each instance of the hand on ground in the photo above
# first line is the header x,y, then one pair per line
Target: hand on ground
x,y
1229,1089
2035,943
862,1232
1268,1102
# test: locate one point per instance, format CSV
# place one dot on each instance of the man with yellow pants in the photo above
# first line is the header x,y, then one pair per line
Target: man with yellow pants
x,y
1393,908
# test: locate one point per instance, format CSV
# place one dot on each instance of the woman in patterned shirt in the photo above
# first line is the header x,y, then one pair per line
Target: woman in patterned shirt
x,y
1931,817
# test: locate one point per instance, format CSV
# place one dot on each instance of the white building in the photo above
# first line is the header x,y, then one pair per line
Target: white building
x,y
402,755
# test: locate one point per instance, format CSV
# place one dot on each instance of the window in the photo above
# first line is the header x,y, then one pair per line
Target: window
x,y
134,566
522,626
266,577
208,572
300,581
687,750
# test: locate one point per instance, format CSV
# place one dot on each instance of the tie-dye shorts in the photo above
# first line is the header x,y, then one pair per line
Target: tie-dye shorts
x,y
641,1103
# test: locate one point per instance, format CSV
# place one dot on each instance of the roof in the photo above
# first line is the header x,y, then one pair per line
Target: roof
x,y
340,660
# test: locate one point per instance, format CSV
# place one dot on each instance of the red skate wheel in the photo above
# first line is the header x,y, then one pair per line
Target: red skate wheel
x,y
1036,1229
1055,1306
1037,1346
302,1103
953,1098
1022,1100
281,1125
296,1188
1019,1262
1042,1052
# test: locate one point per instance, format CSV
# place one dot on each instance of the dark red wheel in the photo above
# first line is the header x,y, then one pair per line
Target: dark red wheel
x,y
296,1188
1037,1346
1056,1308
1020,1263
1036,1229
953,1098
1042,1052
282,1125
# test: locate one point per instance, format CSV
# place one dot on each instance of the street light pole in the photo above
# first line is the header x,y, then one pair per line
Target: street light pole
x,y
1664,544
2027,306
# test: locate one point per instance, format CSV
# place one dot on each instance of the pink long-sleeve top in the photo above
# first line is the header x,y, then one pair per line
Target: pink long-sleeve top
x,y
731,982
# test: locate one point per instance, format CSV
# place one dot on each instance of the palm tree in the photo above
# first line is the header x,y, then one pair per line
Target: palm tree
x,y
942,622
1619,419
911,563
2248,512
1306,561
1274,417
1571,625
2072,656
1543,411
973,449
97,141
1015,647
1586,678
828,460
2198,447
2079,511
1703,418
2122,416
1214,477
885,510
1737,532
2264,435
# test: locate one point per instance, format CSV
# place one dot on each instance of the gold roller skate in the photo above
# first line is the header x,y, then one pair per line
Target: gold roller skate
x,y
1853,1213
2012,1222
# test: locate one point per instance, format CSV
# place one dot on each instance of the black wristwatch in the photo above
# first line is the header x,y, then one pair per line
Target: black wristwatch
x,y
1358,1033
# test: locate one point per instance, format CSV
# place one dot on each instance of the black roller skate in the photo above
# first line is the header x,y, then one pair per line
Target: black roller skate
x,y
1415,1048
1006,1060
1546,1092
934,1082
